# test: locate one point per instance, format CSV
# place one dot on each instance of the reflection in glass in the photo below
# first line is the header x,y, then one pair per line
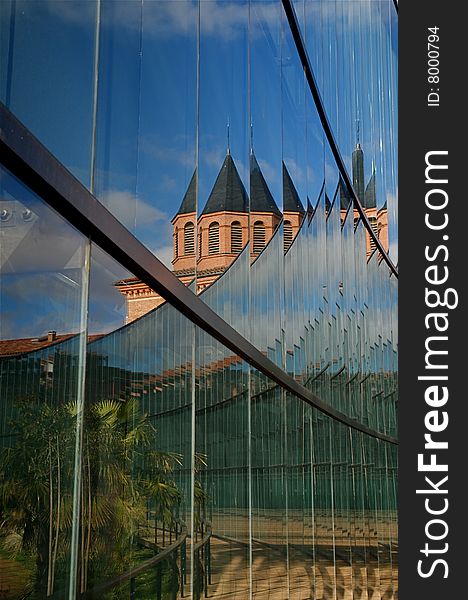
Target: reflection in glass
x,y
139,456
43,299
45,82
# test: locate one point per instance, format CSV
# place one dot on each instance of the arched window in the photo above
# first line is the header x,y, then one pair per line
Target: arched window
x,y
213,238
176,243
288,234
189,238
200,242
236,237
258,237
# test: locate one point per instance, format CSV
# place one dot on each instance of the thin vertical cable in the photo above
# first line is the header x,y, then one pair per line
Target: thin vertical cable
x,y
95,97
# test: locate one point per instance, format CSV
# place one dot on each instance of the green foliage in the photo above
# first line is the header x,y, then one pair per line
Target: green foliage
x,y
120,472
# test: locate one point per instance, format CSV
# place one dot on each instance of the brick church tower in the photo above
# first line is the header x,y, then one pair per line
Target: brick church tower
x,y
222,230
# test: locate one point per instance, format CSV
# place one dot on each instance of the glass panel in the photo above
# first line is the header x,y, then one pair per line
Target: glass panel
x,y
223,148
45,82
357,517
136,490
342,500
294,201
266,187
43,300
222,478
146,130
269,489
191,466
118,102
300,485
222,481
166,179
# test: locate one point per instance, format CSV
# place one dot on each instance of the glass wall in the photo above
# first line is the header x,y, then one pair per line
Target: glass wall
x,y
44,292
141,457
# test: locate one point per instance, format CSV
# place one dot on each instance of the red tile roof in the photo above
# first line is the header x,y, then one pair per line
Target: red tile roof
x,y
24,345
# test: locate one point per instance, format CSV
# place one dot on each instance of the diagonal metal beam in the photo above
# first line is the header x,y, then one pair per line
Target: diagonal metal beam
x,y
23,155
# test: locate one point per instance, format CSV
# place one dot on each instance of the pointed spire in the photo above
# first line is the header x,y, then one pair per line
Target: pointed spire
x,y
358,171
228,141
228,193
291,200
189,201
345,196
261,199
310,209
370,200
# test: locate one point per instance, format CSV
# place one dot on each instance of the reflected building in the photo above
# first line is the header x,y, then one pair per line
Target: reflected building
x,y
378,217
225,427
223,228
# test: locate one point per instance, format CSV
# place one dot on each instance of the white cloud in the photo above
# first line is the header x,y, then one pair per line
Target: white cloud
x,y
331,175
165,255
132,211
344,16
224,20
312,175
296,172
221,19
270,173
393,251
81,13
168,183
214,156
154,146
42,301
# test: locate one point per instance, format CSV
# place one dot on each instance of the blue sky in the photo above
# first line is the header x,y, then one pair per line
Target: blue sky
x,y
153,109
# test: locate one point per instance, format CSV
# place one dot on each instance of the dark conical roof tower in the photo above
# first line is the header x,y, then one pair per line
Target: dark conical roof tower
x,y
228,193
358,172
345,196
261,199
291,200
189,201
370,200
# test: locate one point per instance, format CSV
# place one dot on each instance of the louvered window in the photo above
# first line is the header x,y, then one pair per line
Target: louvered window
x,y
213,238
176,244
258,237
288,234
236,237
200,242
189,238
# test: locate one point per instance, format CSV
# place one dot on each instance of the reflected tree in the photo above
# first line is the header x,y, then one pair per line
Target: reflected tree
x,y
121,476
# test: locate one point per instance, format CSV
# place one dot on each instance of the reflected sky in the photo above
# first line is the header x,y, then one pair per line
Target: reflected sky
x,y
134,97
42,266
154,104
147,101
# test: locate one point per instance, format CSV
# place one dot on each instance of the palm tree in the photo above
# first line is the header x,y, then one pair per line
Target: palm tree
x,y
121,473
